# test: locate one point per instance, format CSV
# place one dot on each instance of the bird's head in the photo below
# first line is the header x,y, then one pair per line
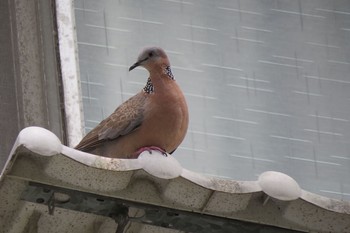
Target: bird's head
x,y
151,56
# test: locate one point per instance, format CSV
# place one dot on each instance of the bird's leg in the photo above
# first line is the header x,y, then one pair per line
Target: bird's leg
x,y
149,149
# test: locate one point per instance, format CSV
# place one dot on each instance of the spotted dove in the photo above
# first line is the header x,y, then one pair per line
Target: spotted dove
x,y
156,118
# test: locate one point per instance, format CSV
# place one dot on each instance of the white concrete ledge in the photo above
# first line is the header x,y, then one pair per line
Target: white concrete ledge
x,y
274,199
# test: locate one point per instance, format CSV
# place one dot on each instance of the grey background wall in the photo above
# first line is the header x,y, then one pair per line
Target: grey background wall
x,y
267,82
30,86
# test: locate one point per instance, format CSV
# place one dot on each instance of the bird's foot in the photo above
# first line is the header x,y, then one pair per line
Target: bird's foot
x,y
149,149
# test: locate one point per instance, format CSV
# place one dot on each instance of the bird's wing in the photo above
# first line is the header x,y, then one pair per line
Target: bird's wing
x,y
126,118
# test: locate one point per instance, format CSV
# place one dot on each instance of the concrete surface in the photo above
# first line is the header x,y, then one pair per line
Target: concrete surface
x,y
52,188
30,83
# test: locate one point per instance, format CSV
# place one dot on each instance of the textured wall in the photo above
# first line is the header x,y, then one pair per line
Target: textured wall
x,y
29,79
267,82
8,116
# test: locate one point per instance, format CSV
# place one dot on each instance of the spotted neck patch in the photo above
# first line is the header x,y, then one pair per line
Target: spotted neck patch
x,y
169,73
149,87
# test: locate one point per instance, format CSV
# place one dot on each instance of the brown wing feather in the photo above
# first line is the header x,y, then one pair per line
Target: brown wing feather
x,y
126,118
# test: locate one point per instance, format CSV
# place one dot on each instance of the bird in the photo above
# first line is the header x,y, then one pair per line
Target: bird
x,y
156,118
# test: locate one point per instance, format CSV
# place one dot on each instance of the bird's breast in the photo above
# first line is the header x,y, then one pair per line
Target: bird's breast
x,y
168,117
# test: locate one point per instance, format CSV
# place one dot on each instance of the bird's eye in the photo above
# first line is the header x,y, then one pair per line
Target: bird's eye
x,y
150,54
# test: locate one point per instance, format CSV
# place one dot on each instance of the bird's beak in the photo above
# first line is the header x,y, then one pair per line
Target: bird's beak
x,y
138,63
134,66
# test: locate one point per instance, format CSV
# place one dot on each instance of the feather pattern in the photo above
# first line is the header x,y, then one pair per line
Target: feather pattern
x,y
126,118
